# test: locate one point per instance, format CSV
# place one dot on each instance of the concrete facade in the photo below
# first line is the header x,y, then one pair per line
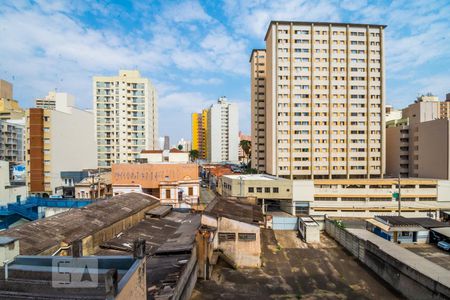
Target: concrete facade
x,y
418,143
325,97
258,108
9,193
342,197
57,141
235,229
223,132
199,131
158,156
173,183
9,108
56,101
12,140
126,117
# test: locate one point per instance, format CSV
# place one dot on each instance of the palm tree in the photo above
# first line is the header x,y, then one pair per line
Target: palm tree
x,y
246,146
180,147
194,154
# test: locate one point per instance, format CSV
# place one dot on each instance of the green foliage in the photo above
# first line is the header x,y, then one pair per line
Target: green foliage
x,y
194,154
247,147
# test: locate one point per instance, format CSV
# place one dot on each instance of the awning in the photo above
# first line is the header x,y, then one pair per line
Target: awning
x,y
445,231
388,228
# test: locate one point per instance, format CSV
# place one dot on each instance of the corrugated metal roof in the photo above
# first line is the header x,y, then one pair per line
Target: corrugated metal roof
x,y
443,230
233,209
38,236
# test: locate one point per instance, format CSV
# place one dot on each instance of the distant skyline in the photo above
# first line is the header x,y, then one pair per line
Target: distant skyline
x,y
196,51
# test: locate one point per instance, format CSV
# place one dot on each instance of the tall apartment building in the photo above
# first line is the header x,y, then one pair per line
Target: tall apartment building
x,y
9,108
12,140
324,100
223,132
199,129
258,109
418,144
56,101
57,141
126,117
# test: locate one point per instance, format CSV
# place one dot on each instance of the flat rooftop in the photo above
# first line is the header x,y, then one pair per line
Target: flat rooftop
x,y
293,269
412,260
249,177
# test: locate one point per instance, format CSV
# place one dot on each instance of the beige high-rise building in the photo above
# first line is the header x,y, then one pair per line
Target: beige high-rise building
x,y
126,117
324,100
418,144
258,108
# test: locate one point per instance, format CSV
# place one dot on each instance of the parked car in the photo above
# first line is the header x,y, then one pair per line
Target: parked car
x,y
444,245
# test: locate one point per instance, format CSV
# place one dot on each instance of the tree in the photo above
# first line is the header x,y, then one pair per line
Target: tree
x,y
180,147
246,146
194,154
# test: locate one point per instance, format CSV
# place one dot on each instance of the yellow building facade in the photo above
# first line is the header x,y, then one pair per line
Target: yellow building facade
x,y
9,108
199,133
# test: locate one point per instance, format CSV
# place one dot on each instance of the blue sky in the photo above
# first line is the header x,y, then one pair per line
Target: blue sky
x,y
196,51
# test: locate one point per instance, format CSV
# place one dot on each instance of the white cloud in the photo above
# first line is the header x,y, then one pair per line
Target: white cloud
x,y
187,11
203,81
253,17
353,4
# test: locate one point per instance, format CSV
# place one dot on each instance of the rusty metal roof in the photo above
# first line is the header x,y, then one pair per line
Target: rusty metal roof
x,y
235,210
41,235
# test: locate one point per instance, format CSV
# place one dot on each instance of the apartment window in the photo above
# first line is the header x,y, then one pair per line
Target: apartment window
x,y
267,190
251,190
275,190
259,189
167,193
190,191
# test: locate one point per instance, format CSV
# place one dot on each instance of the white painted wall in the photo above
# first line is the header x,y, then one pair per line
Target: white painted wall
x,y
73,146
8,195
303,190
223,132
119,190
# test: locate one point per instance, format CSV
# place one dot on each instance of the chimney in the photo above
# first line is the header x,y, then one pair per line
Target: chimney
x,y
9,249
139,248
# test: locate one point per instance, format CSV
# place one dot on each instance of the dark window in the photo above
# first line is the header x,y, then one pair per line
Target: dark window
x,y
259,190
226,236
275,190
247,236
266,190
251,190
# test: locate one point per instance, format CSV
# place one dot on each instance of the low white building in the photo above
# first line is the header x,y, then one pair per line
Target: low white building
x,y
360,198
157,156
10,193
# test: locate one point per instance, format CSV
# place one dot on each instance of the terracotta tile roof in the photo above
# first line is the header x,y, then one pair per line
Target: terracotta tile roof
x,y
175,150
151,151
